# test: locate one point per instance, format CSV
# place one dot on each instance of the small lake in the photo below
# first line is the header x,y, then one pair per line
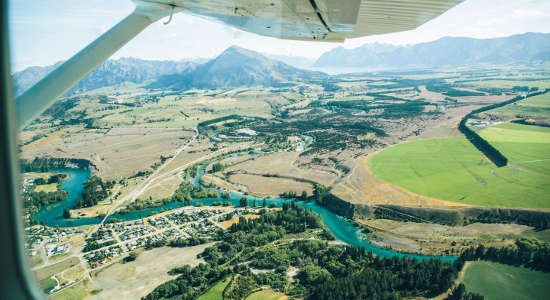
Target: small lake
x,y
343,229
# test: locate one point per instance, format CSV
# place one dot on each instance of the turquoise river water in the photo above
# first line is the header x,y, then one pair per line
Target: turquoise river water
x,y
343,229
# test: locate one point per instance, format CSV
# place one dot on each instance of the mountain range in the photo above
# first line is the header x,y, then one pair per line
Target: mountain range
x,y
109,73
236,67
525,48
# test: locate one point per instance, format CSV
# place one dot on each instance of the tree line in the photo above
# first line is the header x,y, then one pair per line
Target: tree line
x,y
525,253
481,144
326,271
95,190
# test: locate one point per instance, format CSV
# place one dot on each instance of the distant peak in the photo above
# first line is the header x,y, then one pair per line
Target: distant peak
x,y
237,49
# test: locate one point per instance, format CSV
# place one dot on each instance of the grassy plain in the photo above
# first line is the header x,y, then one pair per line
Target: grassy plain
x,y
119,152
56,268
138,278
538,106
502,282
525,146
47,283
75,292
453,169
267,294
287,168
216,292
441,239
73,273
510,83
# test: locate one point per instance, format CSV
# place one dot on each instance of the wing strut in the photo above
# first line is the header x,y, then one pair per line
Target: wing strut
x,y
43,94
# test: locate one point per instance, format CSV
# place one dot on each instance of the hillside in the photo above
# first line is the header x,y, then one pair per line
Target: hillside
x,y
236,67
525,48
111,72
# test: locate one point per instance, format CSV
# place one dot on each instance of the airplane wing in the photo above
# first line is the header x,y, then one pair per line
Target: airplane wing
x,y
310,20
317,20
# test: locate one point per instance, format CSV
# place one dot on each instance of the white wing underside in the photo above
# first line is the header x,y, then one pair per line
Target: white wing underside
x,y
316,20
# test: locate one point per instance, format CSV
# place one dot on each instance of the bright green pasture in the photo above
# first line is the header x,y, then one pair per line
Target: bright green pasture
x,y
453,169
525,146
215,292
502,282
510,83
267,294
47,283
538,106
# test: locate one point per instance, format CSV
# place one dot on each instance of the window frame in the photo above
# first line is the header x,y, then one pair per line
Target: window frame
x,y
16,280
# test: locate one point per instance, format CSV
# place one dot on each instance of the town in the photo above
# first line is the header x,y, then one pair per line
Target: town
x,y
80,251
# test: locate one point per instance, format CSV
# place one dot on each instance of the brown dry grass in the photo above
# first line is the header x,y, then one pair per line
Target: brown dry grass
x,y
136,279
228,223
56,268
221,183
435,239
270,186
284,164
163,188
71,274
119,152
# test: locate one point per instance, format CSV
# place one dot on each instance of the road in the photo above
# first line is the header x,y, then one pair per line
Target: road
x,y
144,185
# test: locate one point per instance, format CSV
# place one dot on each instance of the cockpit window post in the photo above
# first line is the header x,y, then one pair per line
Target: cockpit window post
x,y
16,281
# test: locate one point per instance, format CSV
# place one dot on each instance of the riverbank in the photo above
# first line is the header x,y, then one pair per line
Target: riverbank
x,y
343,229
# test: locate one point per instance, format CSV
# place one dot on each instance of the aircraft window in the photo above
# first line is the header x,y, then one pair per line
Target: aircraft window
x,y
312,149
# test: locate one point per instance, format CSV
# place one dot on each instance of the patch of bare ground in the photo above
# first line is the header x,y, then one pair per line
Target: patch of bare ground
x,y
163,188
284,164
269,186
228,223
221,183
138,278
196,150
118,152
430,238
447,125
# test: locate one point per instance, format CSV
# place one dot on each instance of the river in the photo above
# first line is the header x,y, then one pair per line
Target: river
x,y
343,229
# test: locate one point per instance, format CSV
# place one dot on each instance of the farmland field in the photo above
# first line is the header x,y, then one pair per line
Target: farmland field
x,y
267,294
525,146
452,169
215,292
535,106
74,292
501,282
47,283
136,279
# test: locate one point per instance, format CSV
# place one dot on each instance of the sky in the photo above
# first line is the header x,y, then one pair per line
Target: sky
x,y
43,32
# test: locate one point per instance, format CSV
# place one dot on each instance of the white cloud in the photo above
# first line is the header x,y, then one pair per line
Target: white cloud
x,y
520,13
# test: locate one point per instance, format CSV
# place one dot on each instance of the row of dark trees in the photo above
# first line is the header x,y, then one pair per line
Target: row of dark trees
x,y
540,220
56,178
481,144
37,200
44,164
536,257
